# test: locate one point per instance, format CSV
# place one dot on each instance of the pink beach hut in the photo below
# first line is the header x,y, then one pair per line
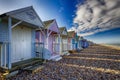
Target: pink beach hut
x,y
50,36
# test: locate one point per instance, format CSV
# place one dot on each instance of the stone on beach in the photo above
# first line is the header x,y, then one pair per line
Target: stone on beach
x,y
94,63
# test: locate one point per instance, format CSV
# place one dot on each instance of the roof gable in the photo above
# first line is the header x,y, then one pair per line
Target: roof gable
x,y
26,14
51,25
48,23
71,34
63,30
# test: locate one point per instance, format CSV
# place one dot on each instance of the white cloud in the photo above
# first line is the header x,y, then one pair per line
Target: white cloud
x,y
97,15
72,29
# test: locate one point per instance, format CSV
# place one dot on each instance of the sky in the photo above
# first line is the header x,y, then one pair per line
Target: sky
x,y
96,20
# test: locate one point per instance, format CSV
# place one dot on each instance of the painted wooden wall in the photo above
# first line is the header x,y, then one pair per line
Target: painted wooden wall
x,y
73,43
54,27
1,55
3,32
3,47
40,36
64,44
56,45
69,43
21,43
48,47
51,39
50,43
37,35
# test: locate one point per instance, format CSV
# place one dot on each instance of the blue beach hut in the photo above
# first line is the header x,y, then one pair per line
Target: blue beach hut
x,y
17,36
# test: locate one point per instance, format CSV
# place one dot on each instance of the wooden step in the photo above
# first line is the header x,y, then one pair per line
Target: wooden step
x,y
34,68
25,63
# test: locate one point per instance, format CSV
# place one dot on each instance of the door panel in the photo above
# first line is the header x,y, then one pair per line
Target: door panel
x,y
21,43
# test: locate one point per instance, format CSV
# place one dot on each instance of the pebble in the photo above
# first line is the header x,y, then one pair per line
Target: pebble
x,y
60,71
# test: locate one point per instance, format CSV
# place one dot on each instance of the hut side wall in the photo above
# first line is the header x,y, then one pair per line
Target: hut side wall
x,y
3,32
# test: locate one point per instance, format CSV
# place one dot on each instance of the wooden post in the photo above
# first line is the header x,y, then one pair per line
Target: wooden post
x,y
10,40
48,34
67,43
33,44
60,44
47,40
5,55
1,56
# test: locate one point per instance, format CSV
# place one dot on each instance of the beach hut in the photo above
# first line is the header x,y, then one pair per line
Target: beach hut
x,y
80,43
63,40
84,43
76,41
17,37
71,37
50,35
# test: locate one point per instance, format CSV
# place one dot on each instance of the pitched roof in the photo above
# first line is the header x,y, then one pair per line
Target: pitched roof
x,y
61,29
27,14
48,23
71,33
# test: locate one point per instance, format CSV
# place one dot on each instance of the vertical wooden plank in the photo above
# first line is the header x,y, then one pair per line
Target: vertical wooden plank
x,y
60,45
5,56
33,43
67,43
47,42
10,40
1,56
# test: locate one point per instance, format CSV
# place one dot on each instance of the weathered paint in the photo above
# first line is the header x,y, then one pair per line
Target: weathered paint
x,y
56,46
1,54
21,43
54,27
27,14
18,41
73,43
4,43
71,40
40,36
9,40
69,43
3,32
64,44
48,38
50,43
33,42
63,41
37,34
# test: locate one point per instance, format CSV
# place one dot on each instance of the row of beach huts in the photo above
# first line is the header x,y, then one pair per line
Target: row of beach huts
x,y
25,38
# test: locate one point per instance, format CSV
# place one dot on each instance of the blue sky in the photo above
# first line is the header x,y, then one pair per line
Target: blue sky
x,y
93,17
110,36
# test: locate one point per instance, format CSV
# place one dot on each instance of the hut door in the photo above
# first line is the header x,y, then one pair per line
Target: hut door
x,y
21,43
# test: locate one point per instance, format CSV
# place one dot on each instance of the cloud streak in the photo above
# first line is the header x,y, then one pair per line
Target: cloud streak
x,y
97,15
